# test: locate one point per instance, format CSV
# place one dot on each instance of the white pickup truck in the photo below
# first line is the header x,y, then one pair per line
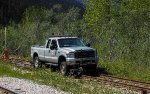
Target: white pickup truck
x,y
65,53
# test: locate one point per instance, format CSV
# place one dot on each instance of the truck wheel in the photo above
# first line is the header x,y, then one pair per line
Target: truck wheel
x,y
64,68
36,62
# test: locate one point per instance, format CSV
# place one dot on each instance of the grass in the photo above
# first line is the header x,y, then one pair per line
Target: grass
x,y
55,79
131,70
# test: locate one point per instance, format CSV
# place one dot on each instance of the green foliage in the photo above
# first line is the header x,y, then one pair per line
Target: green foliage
x,y
139,5
122,35
131,70
121,28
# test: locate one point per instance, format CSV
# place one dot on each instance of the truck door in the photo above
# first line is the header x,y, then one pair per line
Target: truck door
x,y
47,51
53,51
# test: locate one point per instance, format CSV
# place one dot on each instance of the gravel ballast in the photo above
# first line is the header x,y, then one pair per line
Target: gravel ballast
x,y
22,86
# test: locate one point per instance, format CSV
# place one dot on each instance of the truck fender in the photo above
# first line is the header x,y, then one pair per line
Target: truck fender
x,y
35,54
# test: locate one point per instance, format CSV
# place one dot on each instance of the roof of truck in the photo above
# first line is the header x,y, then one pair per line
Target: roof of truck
x,y
60,37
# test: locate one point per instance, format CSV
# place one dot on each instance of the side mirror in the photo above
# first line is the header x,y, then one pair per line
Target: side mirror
x,y
88,45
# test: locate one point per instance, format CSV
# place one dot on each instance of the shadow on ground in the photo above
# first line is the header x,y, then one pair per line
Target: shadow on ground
x,y
96,72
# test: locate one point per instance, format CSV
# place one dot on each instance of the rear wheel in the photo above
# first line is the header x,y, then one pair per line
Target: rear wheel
x,y
36,62
64,68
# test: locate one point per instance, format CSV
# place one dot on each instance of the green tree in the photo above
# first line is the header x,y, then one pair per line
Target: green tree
x,y
120,27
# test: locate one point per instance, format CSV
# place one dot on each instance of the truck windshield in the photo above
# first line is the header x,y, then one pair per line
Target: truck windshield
x,y
70,42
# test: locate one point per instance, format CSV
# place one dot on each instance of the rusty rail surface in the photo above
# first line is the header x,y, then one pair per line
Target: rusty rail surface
x,y
143,87
6,91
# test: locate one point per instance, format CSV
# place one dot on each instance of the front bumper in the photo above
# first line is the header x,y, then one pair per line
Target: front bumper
x,y
82,61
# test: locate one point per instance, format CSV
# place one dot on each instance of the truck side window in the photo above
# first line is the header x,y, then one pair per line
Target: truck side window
x,y
48,44
54,43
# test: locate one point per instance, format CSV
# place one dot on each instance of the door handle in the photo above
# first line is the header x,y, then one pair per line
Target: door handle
x,y
49,51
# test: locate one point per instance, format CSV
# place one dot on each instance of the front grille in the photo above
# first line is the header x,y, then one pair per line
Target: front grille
x,y
84,54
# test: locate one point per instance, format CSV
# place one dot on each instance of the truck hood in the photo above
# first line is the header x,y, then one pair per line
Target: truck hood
x,y
73,49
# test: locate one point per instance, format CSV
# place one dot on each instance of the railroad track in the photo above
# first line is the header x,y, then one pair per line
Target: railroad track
x,y
143,87
21,63
6,91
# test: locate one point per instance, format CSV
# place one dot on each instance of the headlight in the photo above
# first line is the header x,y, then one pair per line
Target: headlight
x,y
70,55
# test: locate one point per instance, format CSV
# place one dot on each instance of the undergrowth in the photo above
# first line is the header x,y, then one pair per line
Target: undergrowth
x,y
131,70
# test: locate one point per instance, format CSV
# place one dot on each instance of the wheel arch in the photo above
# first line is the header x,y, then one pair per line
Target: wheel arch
x,y
60,59
35,54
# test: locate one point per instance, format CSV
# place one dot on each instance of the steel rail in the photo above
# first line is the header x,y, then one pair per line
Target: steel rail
x,y
144,87
6,91
148,83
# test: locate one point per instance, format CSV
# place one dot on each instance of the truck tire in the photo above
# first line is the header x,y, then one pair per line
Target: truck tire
x,y
64,68
36,62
